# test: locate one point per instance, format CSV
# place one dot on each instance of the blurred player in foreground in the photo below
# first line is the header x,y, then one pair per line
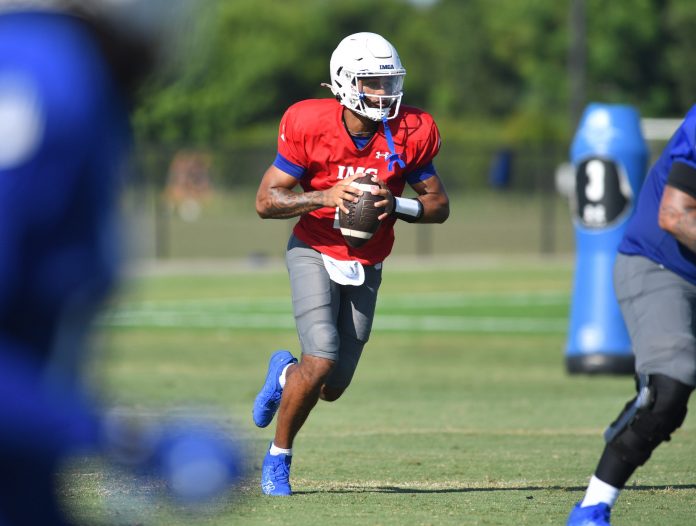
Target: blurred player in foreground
x,y
66,72
655,282
323,145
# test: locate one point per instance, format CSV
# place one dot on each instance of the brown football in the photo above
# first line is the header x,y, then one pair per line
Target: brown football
x,y
360,223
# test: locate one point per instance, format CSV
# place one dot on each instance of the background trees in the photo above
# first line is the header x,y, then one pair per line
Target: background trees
x,y
489,70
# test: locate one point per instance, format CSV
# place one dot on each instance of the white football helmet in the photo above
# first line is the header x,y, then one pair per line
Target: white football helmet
x,y
367,61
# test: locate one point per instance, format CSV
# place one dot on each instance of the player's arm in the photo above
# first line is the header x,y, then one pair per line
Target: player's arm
x,y
277,199
433,198
677,213
430,206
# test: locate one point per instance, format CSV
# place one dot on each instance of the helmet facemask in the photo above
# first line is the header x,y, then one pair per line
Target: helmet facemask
x,y
377,97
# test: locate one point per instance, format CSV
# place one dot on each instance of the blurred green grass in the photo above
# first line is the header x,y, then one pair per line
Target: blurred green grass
x,y
468,419
485,222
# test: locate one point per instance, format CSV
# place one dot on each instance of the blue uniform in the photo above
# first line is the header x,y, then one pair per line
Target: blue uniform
x,y
655,284
643,236
64,145
64,137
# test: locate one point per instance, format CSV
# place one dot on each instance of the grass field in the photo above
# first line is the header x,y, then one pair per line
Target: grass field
x,y
480,222
460,413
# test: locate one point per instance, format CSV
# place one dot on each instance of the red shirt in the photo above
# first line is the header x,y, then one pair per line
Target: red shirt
x,y
312,135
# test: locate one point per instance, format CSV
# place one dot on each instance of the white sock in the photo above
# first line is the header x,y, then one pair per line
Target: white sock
x,y
600,492
275,450
281,378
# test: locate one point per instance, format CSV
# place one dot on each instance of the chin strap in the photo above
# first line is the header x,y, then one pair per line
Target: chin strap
x,y
393,156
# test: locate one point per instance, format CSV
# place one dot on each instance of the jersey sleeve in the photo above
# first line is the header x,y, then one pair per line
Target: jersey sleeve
x,y
286,166
682,176
291,139
421,174
426,148
684,142
682,172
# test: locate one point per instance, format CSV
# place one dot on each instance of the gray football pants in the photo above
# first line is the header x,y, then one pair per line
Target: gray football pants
x,y
659,308
333,321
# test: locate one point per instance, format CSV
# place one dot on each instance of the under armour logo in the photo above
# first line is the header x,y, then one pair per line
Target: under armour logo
x,y
382,155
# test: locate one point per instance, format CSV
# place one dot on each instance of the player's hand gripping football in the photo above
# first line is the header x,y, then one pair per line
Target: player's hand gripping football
x,y
343,191
388,202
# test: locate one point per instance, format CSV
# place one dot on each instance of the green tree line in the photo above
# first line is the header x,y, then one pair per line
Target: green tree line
x,y
494,71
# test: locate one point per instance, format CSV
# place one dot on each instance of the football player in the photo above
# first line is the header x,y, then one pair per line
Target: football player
x,y
655,282
67,69
323,145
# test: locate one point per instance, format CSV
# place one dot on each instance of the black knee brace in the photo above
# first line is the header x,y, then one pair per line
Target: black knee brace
x,y
649,419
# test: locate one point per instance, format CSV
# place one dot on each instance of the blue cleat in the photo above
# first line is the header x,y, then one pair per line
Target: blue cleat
x,y
275,475
597,515
267,401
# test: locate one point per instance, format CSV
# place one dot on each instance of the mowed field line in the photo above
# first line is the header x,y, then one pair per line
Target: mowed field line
x,y
391,485
274,313
423,300
461,431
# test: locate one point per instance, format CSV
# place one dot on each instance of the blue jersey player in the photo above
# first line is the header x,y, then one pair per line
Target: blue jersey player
x,y
655,282
64,142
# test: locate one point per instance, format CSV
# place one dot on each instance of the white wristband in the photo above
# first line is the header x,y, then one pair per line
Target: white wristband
x,y
407,207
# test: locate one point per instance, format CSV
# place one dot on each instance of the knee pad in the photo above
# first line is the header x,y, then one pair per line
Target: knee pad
x,y
649,419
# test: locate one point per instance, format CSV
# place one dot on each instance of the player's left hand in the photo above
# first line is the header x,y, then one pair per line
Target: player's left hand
x,y
197,460
388,202
198,463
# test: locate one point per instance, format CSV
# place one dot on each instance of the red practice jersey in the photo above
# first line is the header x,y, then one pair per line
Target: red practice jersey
x,y
312,135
